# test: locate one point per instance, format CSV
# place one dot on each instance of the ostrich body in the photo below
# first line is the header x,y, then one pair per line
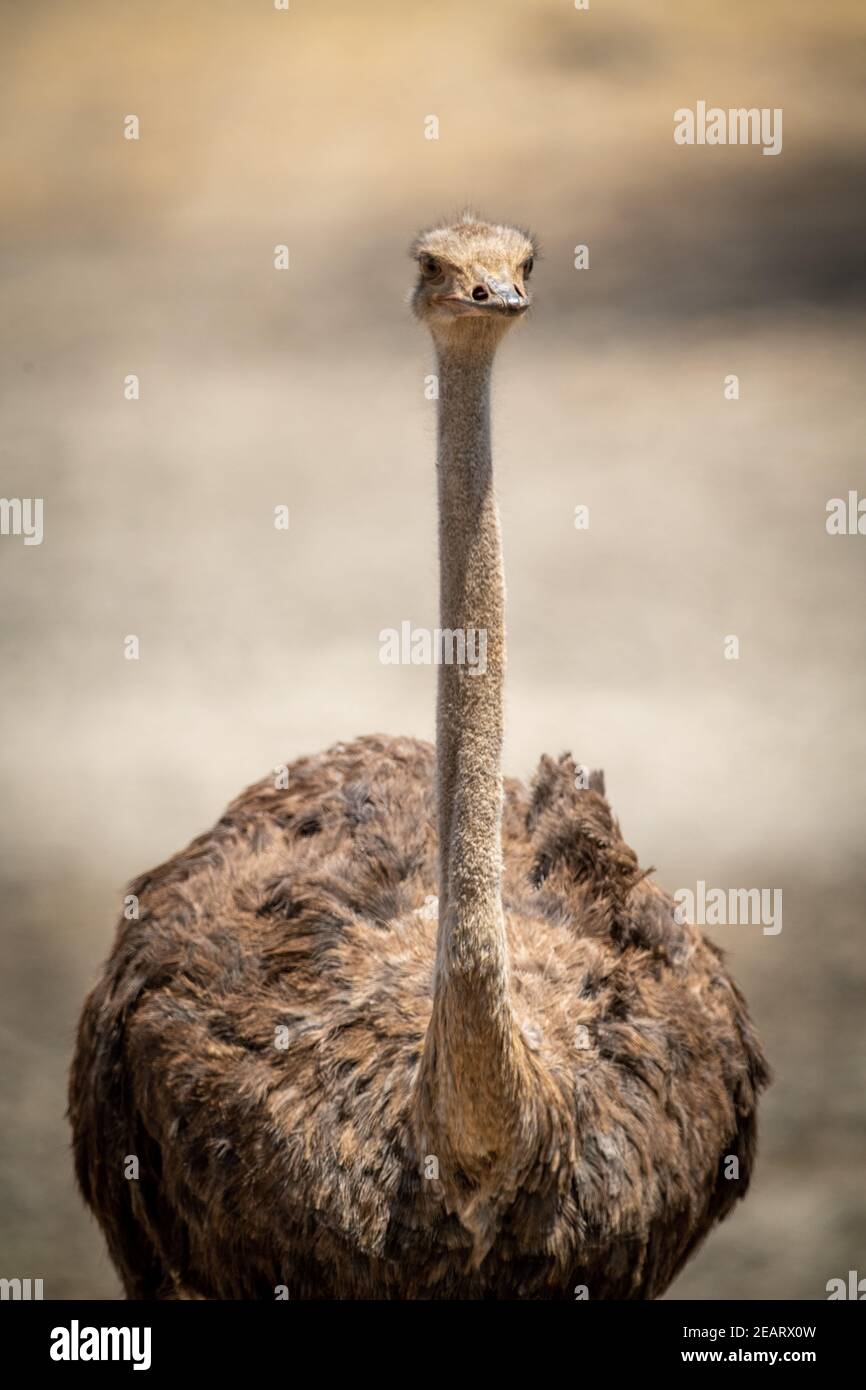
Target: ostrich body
x,y
400,1029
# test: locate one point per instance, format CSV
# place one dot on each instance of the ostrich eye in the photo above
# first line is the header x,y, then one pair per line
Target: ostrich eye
x,y
527,268
429,267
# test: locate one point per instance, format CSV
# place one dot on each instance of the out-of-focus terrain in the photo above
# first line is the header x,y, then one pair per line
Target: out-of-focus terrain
x,y
306,387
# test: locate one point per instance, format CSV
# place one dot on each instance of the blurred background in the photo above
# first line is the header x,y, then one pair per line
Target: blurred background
x,y
305,387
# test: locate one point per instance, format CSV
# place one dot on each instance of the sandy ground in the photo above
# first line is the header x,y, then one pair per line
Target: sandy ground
x,y
707,516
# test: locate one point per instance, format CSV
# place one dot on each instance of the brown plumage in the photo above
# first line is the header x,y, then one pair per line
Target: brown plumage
x,y
387,1032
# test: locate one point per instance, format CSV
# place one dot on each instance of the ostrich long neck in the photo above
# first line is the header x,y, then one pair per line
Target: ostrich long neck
x,y
469,714
472,1066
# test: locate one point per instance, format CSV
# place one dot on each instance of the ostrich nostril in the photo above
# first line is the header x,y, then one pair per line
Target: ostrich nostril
x,y
480,293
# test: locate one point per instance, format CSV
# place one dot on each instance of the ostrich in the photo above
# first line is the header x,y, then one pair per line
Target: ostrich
x,y
400,1029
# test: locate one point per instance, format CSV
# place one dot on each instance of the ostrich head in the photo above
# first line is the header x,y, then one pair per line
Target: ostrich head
x,y
472,279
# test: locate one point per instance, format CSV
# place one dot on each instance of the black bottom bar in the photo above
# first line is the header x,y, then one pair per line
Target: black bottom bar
x,y
65,1338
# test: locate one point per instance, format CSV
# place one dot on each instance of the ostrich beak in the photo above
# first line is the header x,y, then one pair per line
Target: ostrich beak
x,y
509,297
500,298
